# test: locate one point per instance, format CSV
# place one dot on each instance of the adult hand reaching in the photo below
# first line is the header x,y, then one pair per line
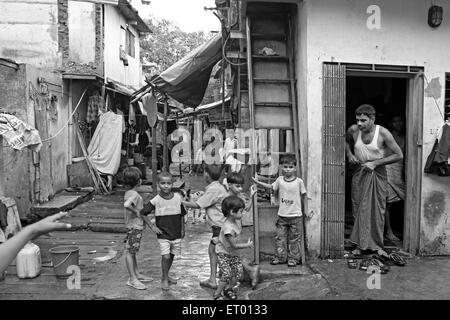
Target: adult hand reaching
x,y
10,248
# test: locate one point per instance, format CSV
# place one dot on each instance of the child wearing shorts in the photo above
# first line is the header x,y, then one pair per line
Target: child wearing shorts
x,y
134,221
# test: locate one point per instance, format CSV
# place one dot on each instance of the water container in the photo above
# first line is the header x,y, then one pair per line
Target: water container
x,y
28,261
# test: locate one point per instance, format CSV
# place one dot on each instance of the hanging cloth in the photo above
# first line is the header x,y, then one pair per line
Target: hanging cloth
x,y
131,115
150,105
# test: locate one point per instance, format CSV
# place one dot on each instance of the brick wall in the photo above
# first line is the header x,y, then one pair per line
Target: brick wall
x,y
69,66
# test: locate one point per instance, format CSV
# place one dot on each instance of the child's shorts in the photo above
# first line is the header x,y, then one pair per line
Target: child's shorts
x,y
229,267
170,246
133,240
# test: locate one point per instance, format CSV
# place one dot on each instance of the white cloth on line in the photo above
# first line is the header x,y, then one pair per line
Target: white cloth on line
x,y
104,149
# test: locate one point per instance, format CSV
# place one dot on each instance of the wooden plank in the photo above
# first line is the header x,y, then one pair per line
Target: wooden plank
x,y
413,165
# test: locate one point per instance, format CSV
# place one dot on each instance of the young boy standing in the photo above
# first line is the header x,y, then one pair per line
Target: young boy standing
x,y
133,204
228,246
292,196
211,201
168,225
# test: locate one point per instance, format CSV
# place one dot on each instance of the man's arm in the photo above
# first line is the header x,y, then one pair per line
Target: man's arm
x,y
349,139
391,145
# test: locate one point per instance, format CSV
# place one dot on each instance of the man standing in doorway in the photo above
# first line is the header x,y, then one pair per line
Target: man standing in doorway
x,y
374,148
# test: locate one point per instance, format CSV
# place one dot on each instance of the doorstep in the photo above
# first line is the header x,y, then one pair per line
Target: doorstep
x,y
63,201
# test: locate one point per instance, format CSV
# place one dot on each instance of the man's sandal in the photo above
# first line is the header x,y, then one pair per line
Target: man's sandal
x,y
292,263
230,294
276,261
219,297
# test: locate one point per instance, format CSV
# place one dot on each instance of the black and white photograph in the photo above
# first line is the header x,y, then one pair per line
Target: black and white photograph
x,y
225,150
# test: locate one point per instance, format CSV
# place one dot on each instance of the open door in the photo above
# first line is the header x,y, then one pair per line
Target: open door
x,y
333,185
413,163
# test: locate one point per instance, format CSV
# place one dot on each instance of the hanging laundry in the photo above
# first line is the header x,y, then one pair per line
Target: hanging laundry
x,y
3,216
95,104
437,160
104,149
131,115
150,105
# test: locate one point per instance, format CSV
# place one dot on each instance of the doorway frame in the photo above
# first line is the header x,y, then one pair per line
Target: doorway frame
x,y
414,140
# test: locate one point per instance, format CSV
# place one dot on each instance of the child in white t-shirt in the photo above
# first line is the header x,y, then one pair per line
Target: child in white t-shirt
x,y
292,196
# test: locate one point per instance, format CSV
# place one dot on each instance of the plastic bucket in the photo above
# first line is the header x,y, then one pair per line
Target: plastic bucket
x,y
62,258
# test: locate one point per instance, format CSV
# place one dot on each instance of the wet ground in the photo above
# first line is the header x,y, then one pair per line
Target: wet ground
x,y
98,231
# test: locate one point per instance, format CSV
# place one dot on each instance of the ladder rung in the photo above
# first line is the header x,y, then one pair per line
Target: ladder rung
x,y
269,36
280,128
236,55
272,80
273,104
235,34
261,57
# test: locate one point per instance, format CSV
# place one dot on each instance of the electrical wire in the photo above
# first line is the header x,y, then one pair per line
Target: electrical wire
x,y
437,105
68,120
224,56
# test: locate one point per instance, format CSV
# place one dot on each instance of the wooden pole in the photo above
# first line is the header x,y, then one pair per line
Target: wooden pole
x,y
165,146
154,162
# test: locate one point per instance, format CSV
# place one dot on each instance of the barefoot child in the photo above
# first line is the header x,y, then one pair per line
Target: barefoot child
x,y
168,225
211,200
230,263
292,195
133,204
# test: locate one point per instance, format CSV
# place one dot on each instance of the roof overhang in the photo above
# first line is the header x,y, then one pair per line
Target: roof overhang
x,y
75,76
118,87
132,17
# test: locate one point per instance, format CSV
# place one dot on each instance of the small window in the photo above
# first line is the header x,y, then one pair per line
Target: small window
x,y
447,97
129,43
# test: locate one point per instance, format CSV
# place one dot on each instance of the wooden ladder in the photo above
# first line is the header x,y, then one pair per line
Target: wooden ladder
x,y
271,87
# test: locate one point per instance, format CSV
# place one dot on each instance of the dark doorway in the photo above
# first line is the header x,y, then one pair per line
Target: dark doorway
x,y
388,96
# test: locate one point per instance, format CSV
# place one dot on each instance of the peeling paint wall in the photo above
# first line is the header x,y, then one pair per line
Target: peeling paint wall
x,y
336,30
114,37
29,32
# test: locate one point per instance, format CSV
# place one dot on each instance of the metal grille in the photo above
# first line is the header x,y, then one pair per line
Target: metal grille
x,y
333,185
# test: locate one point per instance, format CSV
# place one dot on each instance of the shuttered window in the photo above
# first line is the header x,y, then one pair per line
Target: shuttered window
x,y
333,185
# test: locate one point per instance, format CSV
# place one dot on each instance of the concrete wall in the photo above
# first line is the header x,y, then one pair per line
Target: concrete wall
x,y
17,172
114,37
336,30
14,164
81,32
29,32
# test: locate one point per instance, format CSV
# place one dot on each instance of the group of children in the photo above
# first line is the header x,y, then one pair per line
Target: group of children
x,y
225,208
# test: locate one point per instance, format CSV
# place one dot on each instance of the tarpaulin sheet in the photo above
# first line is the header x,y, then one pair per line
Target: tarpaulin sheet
x,y
104,149
18,134
186,80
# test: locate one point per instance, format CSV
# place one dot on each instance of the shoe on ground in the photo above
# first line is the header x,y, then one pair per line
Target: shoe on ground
x,y
136,284
144,278
292,263
276,261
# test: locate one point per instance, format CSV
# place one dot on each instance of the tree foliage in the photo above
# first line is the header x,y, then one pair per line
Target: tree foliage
x,y
167,44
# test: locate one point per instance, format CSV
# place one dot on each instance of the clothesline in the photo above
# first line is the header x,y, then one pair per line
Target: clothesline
x,y
68,120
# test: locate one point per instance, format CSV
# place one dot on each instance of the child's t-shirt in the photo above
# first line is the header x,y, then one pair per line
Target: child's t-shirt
x,y
289,196
211,200
224,246
132,220
168,216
